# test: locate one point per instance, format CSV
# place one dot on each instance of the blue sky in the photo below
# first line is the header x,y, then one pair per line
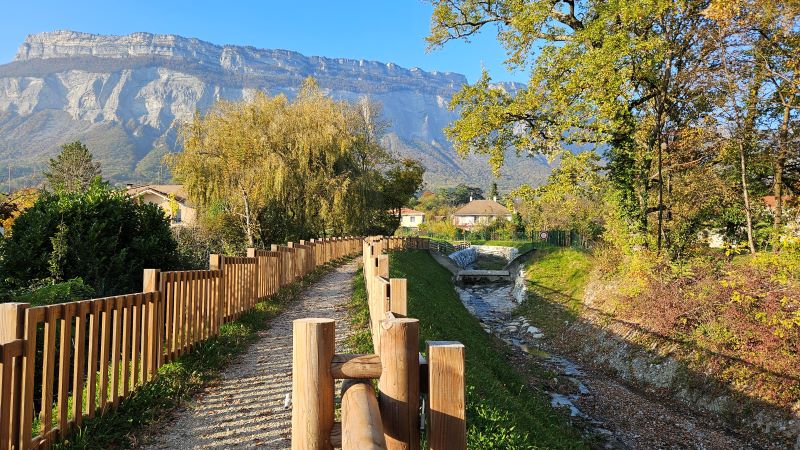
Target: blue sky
x,y
382,30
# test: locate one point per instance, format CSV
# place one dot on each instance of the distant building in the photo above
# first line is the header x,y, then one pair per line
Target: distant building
x,y
172,198
791,211
480,212
410,218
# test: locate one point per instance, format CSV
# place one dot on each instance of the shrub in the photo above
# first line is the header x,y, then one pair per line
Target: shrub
x,y
48,293
100,235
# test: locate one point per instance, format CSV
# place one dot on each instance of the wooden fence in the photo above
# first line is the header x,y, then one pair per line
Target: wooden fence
x,y
61,364
392,419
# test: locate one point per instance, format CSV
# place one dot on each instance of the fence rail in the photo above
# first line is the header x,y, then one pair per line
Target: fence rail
x,y
392,421
61,364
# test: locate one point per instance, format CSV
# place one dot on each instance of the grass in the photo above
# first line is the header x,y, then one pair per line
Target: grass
x,y
556,278
504,410
183,378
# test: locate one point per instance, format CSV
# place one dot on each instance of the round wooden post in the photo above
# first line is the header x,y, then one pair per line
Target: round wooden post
x,y
399,383
312,384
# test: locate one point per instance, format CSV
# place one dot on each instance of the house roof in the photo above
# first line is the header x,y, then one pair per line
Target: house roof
x,y
411,212
482,208
163,190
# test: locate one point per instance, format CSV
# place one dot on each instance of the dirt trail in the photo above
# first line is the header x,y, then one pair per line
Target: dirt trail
x,y
245,409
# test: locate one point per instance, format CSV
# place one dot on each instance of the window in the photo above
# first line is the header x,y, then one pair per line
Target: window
x,y
412,219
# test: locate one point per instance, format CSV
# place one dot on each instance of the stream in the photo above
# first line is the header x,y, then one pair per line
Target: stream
x,y
611,413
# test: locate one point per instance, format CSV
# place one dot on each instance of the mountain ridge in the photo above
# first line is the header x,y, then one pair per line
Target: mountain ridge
x,y
131,93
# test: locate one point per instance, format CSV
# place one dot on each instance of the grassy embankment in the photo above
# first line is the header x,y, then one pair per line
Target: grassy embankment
x,y
557,278
732,324
504,411
183,378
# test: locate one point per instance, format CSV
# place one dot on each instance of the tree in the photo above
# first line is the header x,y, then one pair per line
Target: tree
x,y
288,169
403,181
73,169
641,82
569,199
493,193
14,204
100,235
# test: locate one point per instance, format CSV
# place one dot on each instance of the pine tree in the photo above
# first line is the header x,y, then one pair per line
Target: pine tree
x,y
73,169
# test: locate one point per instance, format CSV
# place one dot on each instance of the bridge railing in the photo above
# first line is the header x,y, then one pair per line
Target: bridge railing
x,y
404,376
61,364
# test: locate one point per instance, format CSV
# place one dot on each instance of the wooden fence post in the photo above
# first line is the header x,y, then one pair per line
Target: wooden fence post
x,y
399,383
312,383
447,427
155,322
398,296
215,262
12,327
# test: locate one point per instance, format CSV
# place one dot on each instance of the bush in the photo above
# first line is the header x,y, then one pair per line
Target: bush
x,y
100,235
48,293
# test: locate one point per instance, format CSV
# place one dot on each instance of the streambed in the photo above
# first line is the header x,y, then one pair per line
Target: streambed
x,y
612,413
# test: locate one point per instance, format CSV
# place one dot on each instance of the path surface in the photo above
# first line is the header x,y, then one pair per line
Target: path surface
x,y
245,409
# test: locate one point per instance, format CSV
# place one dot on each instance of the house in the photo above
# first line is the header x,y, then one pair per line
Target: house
x,y
791,211
172,198
410,218
480,212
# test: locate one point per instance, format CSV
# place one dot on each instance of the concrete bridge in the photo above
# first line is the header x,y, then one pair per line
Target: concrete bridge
x,y
479,275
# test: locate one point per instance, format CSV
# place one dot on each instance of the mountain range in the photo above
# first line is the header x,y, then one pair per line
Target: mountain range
x,y
126,96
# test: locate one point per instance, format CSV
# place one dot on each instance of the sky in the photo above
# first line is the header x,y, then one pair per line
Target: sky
x,y
381,30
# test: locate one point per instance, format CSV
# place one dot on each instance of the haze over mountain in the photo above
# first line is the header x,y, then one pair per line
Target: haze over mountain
x,y
125,97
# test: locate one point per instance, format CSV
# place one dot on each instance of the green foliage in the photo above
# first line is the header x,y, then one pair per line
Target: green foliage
x,y
99,235
47,293
73,169
328,173
569,200
652,85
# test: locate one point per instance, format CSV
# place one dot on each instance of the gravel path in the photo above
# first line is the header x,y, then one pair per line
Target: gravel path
x,y
245,409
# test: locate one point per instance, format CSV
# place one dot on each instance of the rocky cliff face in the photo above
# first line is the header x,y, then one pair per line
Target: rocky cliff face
x,y
125,96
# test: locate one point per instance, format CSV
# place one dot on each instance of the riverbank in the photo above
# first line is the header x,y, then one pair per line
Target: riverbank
x,y
672,376
506,405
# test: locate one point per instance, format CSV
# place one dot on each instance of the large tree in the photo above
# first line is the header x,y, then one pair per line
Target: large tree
x,y
288,169
73,169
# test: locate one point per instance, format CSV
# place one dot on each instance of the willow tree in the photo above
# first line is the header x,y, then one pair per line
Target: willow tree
x,y
284,169
230,157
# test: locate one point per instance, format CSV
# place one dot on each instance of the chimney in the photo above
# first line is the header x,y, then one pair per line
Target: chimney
x,y
470,197
494,198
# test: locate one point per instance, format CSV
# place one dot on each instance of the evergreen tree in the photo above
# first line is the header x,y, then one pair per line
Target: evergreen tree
x,y
73,169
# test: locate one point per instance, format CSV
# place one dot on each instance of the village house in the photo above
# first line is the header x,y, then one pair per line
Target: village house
x,y
479,213
172,198
411,218
791,211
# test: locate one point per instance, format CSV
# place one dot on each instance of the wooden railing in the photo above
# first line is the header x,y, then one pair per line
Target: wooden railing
x,y
62,364
393,419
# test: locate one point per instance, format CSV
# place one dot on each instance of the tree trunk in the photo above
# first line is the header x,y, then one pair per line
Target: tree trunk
x,y
778,164
248,224
746,198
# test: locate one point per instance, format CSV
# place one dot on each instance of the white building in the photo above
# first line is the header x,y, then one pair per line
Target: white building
x,y
410,218
480,213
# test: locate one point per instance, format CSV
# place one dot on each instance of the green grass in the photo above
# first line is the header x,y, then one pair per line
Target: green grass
x,y
505,408
183,378
556,278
